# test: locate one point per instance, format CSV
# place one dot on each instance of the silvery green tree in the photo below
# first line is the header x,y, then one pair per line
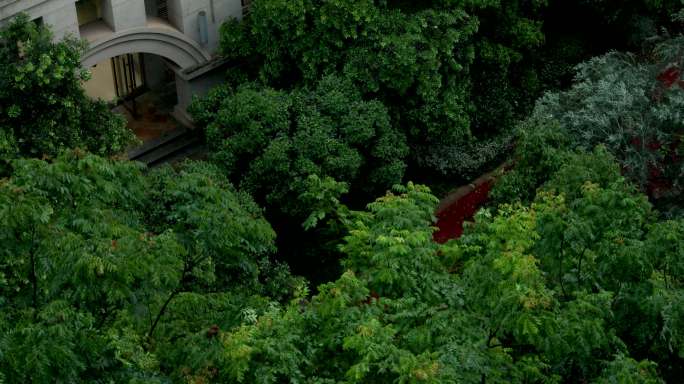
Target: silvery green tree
x,y
630,104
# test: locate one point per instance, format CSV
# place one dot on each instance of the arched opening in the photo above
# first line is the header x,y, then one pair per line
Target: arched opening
x,y
136,70
141,87
134,67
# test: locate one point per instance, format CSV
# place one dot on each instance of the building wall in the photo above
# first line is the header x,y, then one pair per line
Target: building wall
x,y
101,83
59,14
183,14
123,15
62,16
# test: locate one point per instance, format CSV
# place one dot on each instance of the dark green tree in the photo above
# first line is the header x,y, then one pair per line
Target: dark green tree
x,y
446,70
269,141
104,276
43,109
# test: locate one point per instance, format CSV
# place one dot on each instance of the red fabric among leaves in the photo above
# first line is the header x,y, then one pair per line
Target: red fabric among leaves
x,y
450,220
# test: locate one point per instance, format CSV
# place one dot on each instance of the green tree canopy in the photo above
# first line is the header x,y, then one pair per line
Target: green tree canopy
x,y
445,74
550,292
107,274
43,109
111,274
579,285
270,141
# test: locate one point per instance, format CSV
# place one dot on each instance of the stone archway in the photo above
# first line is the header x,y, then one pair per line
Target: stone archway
x,y
159,40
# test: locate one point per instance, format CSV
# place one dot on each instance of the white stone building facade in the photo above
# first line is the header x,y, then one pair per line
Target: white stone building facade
x,y
180,36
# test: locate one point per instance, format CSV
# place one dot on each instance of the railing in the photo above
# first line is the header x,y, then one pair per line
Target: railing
x,y
162,9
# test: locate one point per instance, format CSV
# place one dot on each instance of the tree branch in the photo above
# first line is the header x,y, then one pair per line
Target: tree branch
x,y
189,266
33,276
579,268
161,312
560,266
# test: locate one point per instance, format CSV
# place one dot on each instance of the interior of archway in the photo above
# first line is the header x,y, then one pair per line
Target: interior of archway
x,y
141,87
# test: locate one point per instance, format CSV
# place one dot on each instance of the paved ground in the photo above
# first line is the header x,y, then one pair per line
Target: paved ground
x,y
153,120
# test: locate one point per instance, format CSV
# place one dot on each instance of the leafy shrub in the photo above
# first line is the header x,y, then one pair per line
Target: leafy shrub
x,y
91,292
43,109
270,141
631,106
445,73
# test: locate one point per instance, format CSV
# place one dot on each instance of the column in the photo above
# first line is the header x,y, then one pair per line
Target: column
x,y
124,14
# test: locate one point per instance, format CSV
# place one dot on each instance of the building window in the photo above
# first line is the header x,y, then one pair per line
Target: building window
x,y
162,9
88,11
157,8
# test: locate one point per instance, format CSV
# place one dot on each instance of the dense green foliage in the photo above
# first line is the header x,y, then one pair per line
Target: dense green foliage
x,y
108,274
455,76
43,109
551,292
112,273
447,76
270,141
633,106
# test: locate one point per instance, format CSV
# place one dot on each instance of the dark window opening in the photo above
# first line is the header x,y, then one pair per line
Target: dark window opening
x,y
162,9
157,8
88,11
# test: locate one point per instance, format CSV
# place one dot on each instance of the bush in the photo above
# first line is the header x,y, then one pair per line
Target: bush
x,y
630,105
43,109
269,141
446,75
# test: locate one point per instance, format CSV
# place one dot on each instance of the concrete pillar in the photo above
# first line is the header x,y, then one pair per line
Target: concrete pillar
x,y
124,14
63,20
183,14
175,9
197,83
184,93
